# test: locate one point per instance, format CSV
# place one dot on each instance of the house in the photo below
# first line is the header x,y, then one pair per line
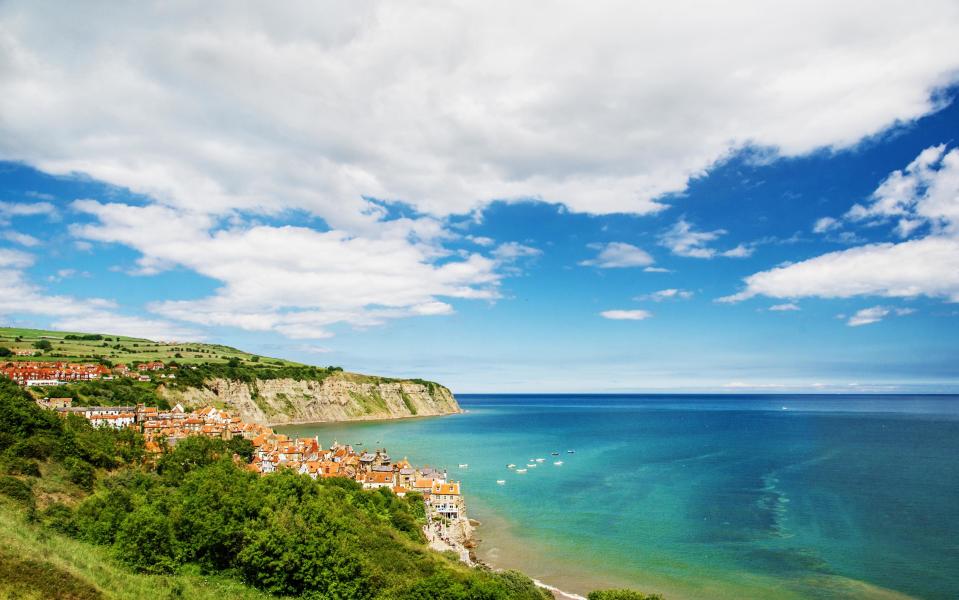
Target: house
x,y
375,480
446,500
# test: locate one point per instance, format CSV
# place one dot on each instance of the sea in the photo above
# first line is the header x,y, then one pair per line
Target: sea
x,y
701,496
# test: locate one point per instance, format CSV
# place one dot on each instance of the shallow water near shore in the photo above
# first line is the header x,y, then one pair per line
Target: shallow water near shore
x,y
703,496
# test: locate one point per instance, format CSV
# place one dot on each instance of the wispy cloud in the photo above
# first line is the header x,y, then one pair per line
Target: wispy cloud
x,y
667,294
788,306
626,315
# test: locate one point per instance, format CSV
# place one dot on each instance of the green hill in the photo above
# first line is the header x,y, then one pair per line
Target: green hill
x,y
78,347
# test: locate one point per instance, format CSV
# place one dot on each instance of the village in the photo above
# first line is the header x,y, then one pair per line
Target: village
x,y
447,529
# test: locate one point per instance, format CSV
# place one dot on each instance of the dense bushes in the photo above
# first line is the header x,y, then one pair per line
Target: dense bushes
x,y
30,435
285,533
116,392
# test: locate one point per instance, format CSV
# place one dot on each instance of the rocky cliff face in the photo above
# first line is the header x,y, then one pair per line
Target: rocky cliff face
x,y
335,398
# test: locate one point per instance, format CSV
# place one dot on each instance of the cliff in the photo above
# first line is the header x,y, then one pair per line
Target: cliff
x,y
339,397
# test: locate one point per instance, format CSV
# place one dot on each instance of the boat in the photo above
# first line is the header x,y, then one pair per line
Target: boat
x,y
520,470
531,465
511,466
540,460
570,452
501,481
555,453
558,463
464,465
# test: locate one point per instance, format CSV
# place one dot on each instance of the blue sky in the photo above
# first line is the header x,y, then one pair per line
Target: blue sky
x,y
466,227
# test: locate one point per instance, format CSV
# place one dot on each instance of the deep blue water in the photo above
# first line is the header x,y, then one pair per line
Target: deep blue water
x,y
705,496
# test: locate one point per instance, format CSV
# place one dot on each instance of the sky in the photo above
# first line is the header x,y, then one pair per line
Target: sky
x,y
554,197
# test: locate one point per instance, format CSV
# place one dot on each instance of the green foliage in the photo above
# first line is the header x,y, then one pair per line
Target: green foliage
x,y
80,472
242,447
145,541
86,336
622,594
29,578
43,345
116,392
17,489
4,351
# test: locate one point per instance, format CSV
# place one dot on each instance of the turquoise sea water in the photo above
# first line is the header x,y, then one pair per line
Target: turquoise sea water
x,y
704,496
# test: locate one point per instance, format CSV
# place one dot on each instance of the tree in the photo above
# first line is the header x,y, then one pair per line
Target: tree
x,y
43,345
5,351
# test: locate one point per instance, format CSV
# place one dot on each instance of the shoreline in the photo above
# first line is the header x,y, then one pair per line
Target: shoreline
x,y
365,419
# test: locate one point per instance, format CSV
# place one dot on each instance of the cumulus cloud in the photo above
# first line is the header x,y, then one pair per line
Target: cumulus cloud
x,y
618,255
667,294
925,193
626,315
602,106
295,280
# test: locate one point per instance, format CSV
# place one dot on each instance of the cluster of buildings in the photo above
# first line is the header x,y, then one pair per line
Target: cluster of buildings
x,y
47,373
372,470
273,451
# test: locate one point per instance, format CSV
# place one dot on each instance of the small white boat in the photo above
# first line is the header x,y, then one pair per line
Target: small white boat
x,y
531,465
464,465
520,470
558,463
511,466
555,453
501,481
570,452
540,460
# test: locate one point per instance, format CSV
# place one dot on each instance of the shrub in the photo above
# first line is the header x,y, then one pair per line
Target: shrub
x,y
17,489
145,541
4,351
80,472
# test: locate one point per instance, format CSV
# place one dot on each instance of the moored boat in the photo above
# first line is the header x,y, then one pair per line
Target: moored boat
x,y
501,481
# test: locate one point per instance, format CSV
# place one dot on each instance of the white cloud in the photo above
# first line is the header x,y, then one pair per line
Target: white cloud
x,y
788,306
656,270
826,224
295,280
603,106
626,315
24,239
928,266
867,316
927,193
682,239
511,251
9,210
740,251
668,294
19,296
618,255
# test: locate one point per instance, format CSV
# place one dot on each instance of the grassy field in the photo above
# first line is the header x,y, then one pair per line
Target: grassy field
x,y
122,349
37,563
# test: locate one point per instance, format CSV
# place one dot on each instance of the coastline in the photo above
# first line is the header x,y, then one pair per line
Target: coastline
x,y
365,419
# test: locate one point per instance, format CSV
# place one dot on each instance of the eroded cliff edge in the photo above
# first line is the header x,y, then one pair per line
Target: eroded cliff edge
x,y
339,397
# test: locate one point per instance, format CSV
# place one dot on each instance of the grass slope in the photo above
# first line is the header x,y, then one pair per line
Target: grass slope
x,y
130,349
37,563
